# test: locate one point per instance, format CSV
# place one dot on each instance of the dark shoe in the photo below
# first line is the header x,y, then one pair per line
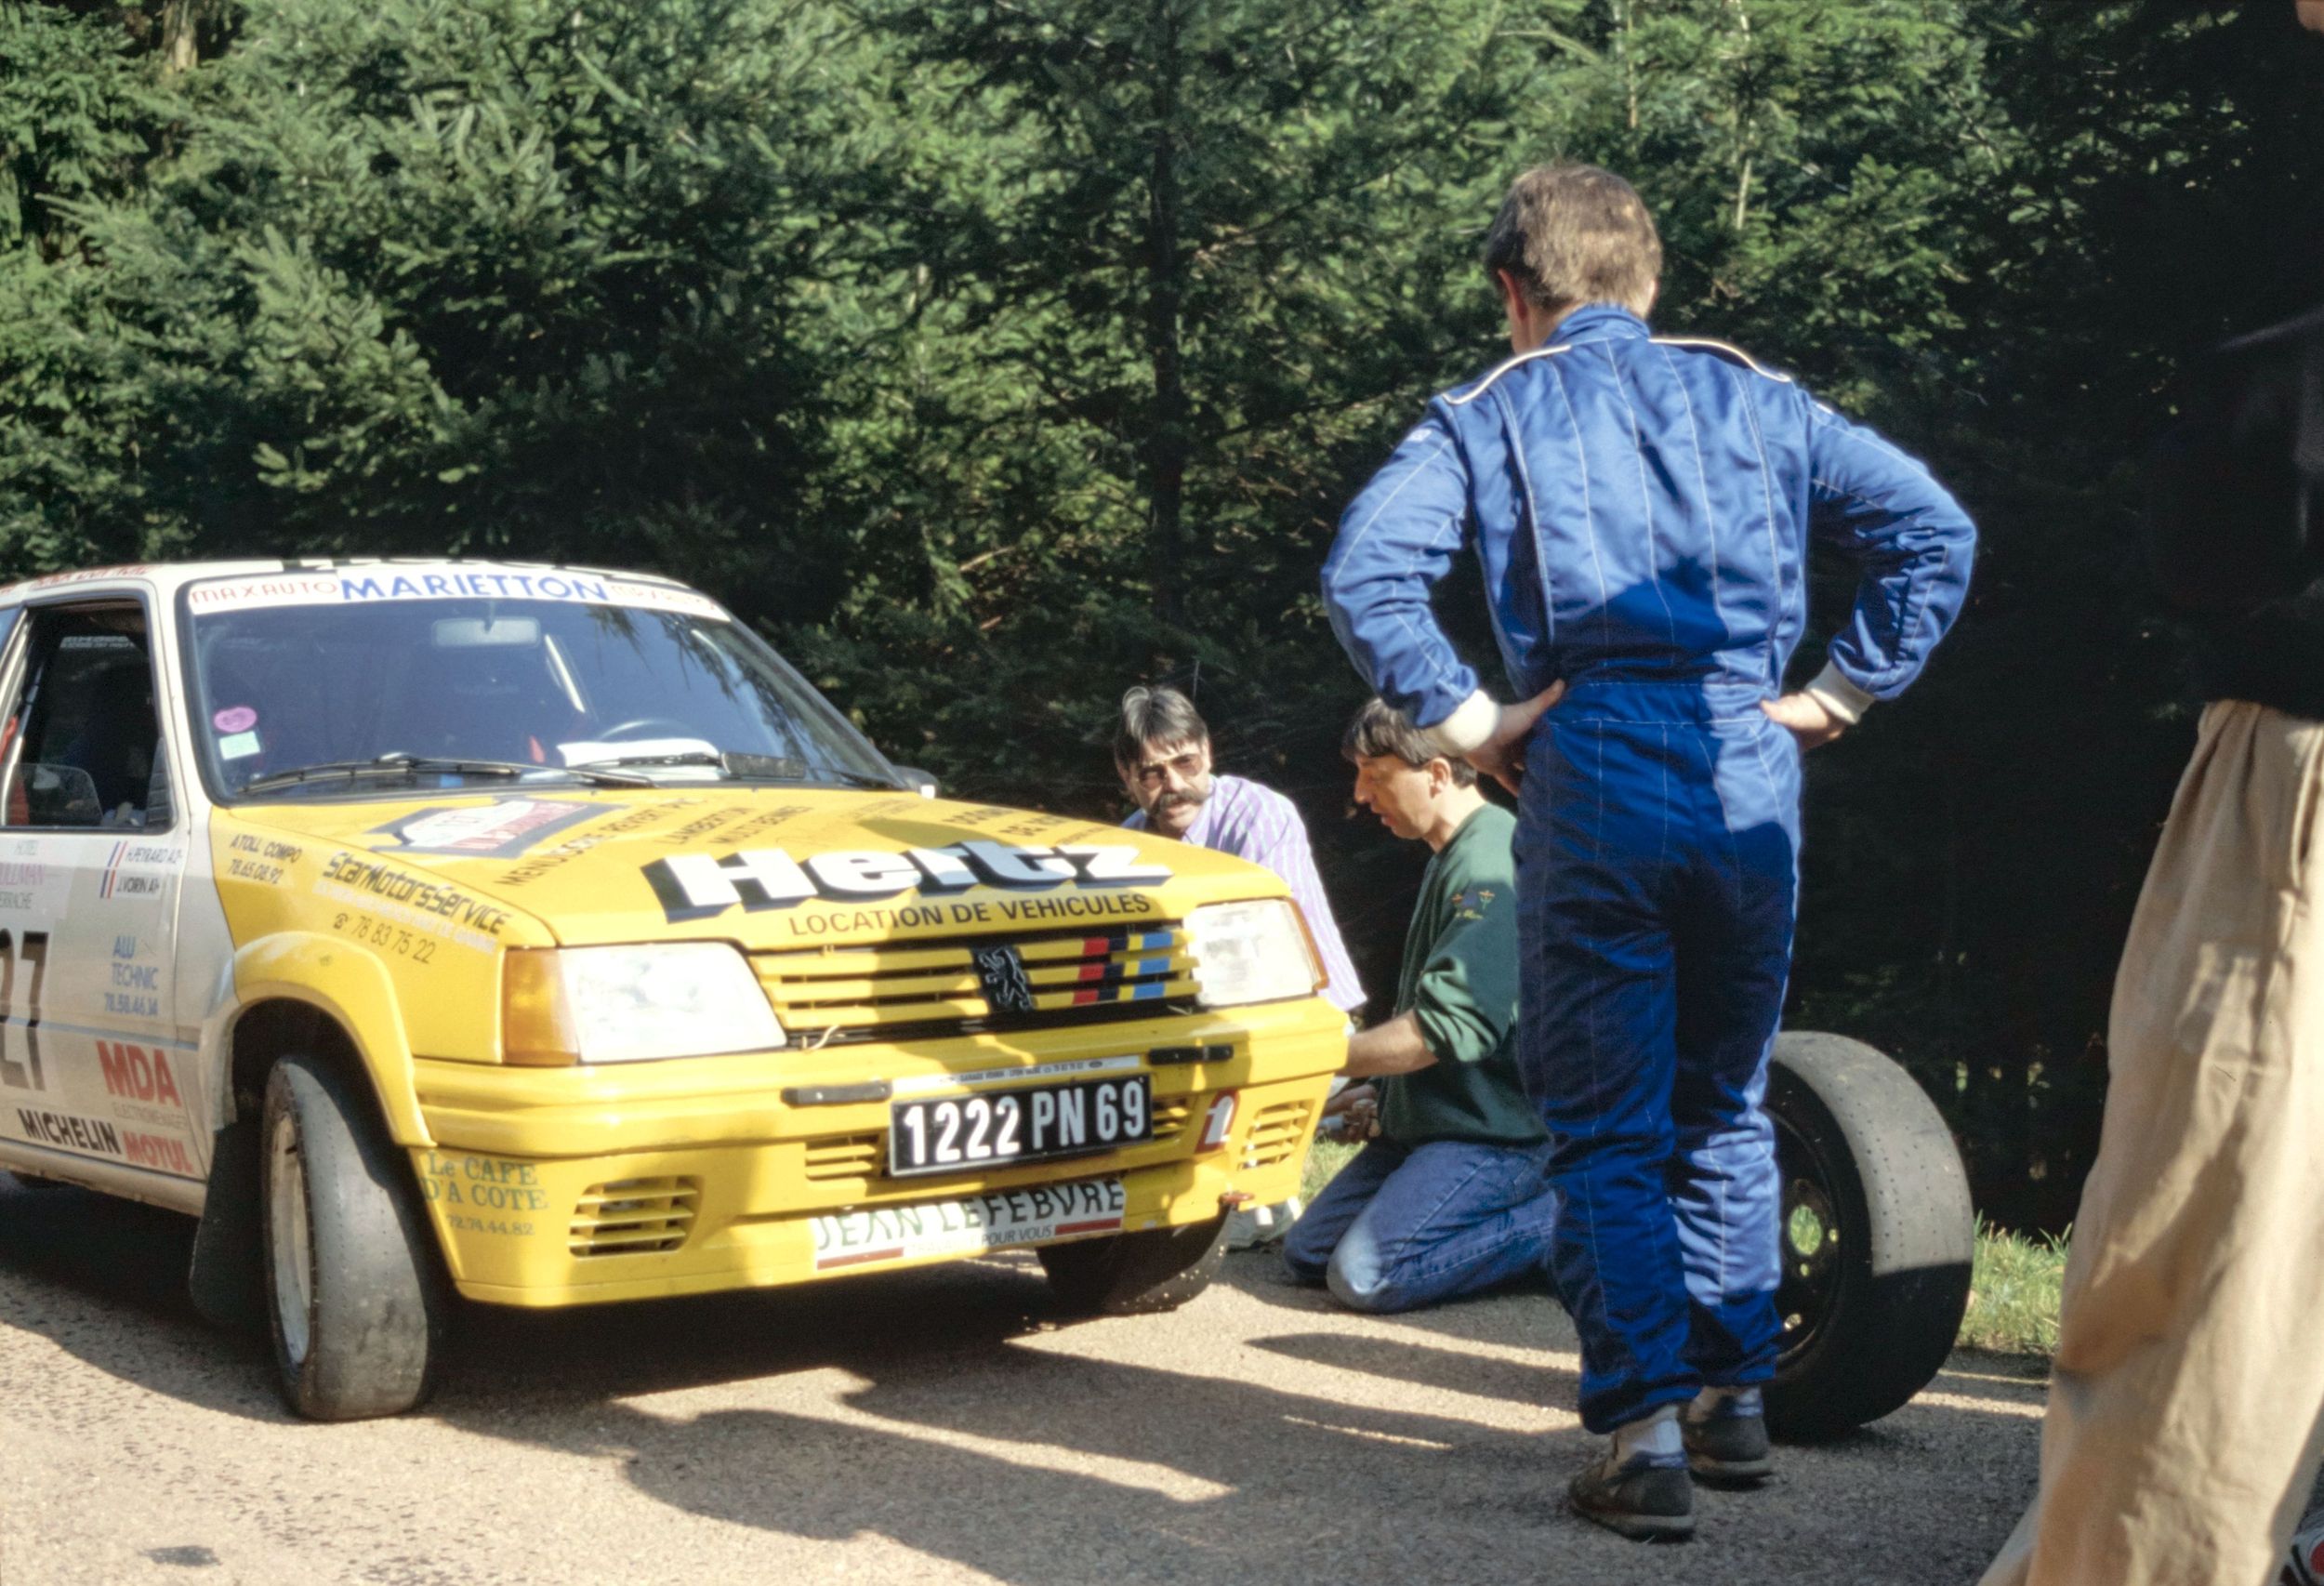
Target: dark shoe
x,y
1726,1444
1644,1501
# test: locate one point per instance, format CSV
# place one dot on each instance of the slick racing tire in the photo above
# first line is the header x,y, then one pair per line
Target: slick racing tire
x,y
353,1297
1134,1275
1876,1240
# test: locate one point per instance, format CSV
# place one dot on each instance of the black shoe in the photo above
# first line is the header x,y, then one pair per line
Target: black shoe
x,y
1728,1446
1643,1501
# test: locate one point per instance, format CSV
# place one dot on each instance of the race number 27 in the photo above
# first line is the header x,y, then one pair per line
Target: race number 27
x,y
24,1076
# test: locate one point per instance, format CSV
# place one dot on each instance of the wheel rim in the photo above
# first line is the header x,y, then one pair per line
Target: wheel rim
x,y
291,1246
1809,1242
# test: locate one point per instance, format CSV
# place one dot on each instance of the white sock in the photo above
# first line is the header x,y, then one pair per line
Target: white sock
x,y
1656,1434
1712,1400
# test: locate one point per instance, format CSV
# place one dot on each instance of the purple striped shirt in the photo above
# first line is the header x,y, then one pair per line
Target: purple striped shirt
x,y
1262,825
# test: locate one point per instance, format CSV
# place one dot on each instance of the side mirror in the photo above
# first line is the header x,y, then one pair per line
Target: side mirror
x,y
921,782
61,796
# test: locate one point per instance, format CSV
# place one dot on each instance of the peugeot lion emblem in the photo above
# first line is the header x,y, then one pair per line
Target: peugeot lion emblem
x,y
1002,973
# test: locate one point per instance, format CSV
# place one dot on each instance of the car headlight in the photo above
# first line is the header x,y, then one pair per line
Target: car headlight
x,y
567,1005
1251,952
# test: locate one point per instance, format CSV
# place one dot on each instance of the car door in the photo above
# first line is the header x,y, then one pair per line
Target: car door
x,y
92,850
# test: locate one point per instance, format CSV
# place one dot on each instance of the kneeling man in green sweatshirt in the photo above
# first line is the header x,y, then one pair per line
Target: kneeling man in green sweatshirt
x,y
1451,1196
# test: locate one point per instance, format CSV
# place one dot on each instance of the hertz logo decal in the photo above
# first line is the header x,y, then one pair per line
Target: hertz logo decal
x,y
698,886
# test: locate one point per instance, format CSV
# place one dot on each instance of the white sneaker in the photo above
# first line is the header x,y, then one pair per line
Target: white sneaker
x,y
1258,1225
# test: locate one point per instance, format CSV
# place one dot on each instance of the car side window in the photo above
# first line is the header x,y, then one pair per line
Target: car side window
x,y
82,737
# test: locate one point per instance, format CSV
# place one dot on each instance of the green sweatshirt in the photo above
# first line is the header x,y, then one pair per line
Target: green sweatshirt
x,y
1460,980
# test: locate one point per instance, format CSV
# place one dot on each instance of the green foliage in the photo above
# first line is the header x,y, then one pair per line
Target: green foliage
x,y
1208,256
995,355
2013,1290
76,118
439,276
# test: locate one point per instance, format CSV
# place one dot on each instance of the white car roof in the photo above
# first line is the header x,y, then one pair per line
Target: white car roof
x,y
167,577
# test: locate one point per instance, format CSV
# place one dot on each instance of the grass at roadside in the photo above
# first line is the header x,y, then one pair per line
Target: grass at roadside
x,y
2014,1294
1325,1157
2013,1286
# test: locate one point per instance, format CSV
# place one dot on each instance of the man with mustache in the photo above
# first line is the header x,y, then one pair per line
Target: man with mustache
x,y
1162,751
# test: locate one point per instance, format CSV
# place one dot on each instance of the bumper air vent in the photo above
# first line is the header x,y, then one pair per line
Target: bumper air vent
x,y
1276,1134
844,1157
632,1217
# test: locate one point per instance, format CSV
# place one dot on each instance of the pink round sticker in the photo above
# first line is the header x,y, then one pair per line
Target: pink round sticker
x,y
236,719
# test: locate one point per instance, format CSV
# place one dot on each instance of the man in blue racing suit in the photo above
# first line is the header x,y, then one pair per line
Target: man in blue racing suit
x,y
1642,508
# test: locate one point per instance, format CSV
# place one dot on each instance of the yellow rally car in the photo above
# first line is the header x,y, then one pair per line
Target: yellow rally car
x,y
537,932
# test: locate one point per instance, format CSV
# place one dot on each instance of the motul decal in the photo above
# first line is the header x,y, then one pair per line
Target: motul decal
x,y
697,886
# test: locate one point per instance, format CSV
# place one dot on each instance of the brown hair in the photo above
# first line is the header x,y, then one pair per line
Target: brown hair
x,y
1575,234
1380,728
1160,716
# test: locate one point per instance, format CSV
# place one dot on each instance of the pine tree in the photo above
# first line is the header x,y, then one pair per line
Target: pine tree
x,y
439,276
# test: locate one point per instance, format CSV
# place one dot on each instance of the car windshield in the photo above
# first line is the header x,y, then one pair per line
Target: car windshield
x,y
310,683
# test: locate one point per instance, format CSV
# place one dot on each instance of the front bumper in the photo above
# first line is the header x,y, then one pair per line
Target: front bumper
x,y
567,1186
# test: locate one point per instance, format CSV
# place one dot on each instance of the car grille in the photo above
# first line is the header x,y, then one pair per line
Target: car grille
x,y
632,1217
921,990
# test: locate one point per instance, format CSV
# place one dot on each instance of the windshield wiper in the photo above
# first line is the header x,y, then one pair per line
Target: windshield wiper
x,y
857,779
675,756
423,765
745,767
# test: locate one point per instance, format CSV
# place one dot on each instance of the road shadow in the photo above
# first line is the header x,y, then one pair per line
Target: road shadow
x,y
950,1413
1441,1371
1046,1469
105,1280
1527,1315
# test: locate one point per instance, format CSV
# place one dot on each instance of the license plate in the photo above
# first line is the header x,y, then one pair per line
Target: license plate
x,y
1039,1215
955,1133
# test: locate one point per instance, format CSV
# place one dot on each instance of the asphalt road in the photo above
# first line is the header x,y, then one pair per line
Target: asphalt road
x,y
941,1425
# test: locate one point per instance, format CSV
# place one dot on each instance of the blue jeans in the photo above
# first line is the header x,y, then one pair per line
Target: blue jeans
x,y
1405,1226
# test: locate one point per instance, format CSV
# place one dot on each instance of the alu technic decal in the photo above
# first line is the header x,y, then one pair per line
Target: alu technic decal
x,y
698,886
499,831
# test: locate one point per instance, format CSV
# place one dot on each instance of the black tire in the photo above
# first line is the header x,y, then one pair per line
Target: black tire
x,y
34,1181
354,1301
1877,1237
1136,1274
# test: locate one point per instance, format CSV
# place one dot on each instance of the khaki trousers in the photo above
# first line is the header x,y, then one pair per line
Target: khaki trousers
x,y
2179,1447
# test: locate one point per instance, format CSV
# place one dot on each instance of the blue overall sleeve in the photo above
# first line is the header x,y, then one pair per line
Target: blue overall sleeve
x,y
1397,539
1911,540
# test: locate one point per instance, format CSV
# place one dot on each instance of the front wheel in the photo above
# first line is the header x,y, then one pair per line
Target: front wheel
x,y
1133,1275
354,1300
1877,1235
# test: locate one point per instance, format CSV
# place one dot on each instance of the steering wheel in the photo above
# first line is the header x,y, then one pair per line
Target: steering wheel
x,y
649,727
